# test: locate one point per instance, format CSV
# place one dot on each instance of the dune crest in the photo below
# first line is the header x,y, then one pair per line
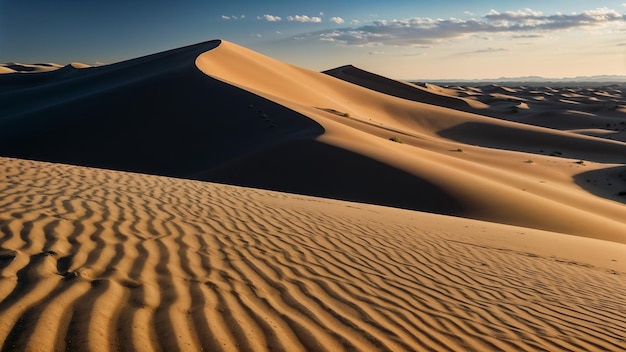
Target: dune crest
x,y
215,111
430,94
362,121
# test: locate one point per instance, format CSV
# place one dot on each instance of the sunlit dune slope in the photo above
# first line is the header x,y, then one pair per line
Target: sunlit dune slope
x,y
217,111
498,183
433,96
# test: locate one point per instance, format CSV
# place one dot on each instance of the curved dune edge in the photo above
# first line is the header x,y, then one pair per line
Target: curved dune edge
x,y
105,260
14,67
4,70
429,94
244,111
491,179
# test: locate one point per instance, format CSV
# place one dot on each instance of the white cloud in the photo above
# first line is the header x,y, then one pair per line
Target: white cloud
x,y
518,15
355,22
304,19
424,30
337,20
321,13
269,18
233,17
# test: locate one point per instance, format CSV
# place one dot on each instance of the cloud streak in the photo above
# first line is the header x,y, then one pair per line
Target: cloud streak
x,y
269,18
304,19
427,31
224,17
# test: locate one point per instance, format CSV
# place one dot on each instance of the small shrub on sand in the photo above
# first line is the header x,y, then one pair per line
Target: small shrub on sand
x,y
580,162
459,150
395,139
529,161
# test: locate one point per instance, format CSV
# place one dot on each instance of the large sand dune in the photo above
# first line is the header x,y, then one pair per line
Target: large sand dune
x,y
219,112
103,260
91,258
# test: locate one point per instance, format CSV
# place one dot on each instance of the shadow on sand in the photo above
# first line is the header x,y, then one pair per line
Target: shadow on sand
x,y
536,141
606,183
323,170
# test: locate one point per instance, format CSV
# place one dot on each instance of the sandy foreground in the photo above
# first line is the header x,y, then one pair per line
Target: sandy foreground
x,y
343,210
104,260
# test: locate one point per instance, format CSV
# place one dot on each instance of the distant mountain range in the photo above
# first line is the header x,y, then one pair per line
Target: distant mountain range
x,y
537,79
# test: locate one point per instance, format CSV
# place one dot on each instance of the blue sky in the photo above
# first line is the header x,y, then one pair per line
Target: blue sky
x,y
401,39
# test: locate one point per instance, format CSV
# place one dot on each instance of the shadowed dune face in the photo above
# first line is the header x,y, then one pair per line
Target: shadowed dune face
x,y
608,183
596,110
217,111
363,180
486,183
566,145
402,90
144,116
21,68
103,260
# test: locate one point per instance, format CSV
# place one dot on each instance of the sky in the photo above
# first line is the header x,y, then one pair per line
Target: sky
x,y
402,39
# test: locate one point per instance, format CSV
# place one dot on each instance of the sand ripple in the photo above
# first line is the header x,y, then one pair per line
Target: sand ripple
x,y
102,260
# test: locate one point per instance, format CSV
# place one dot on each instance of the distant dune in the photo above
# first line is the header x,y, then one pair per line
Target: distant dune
x,y
13,67
523,249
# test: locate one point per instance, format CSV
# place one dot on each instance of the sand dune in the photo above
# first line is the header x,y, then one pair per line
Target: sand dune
x,y
493,186
223,113
564,109
13,67
4,69
103,260
512,236
430,94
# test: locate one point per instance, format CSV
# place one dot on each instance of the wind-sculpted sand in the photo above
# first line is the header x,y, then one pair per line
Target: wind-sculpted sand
x,y
102,260
343,210
219,112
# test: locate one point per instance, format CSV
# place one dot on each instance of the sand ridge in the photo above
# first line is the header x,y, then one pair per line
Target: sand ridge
x,y
361,120
15,67
218,112
107,260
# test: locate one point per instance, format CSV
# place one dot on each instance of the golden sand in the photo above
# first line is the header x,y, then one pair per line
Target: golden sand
x,y
512,236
